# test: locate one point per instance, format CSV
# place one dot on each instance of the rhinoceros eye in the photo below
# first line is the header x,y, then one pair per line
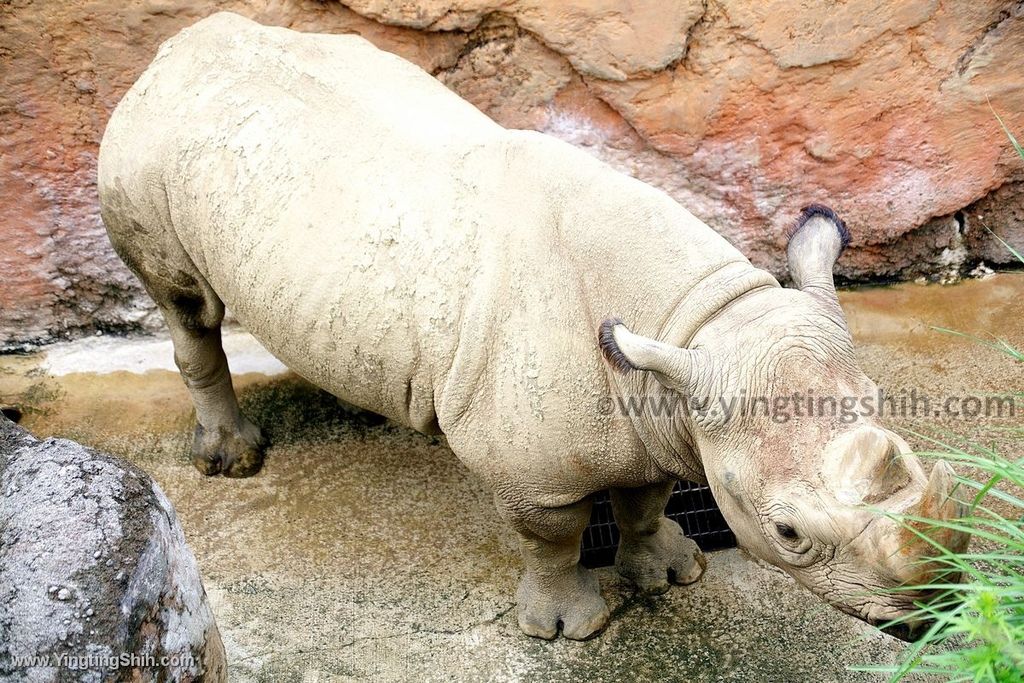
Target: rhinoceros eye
x,y
786,531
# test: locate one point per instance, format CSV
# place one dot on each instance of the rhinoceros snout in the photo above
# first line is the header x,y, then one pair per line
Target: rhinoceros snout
x,y
908,632
912,624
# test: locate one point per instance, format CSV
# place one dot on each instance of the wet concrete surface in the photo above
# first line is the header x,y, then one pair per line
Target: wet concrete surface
x,y
365,551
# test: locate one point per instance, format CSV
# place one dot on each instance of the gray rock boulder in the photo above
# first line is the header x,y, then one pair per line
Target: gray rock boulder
x,y
96,580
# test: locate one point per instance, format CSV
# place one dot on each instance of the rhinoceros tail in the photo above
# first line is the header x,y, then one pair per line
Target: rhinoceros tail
x,y
610,348
812,210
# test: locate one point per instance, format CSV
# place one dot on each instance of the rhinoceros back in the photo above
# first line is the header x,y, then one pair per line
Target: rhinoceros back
x,y
329,193
383,237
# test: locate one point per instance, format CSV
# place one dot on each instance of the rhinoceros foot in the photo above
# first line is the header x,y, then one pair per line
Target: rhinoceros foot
x,y
571,600
233,453
655,560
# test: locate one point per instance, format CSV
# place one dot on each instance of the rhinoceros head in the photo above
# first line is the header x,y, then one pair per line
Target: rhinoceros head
x,y
803,487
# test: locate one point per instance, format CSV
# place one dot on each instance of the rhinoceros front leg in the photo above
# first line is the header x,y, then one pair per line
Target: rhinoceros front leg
x,y
555,589
653,551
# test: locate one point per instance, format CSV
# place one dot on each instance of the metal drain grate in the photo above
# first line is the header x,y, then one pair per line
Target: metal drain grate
x,y
691,505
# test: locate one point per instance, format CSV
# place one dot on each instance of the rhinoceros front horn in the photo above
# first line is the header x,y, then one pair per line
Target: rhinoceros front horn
x,y
866,465
939,503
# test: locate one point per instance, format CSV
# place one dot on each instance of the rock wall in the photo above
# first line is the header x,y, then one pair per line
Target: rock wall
x,y
743,110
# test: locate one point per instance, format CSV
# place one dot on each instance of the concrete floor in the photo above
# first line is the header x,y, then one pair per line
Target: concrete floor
x,y
367,552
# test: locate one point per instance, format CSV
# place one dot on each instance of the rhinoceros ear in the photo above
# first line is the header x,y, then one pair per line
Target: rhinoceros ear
x,y
674,367
814,247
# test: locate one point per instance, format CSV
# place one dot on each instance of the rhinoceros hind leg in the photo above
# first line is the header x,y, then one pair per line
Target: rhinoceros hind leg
x,y
225,441
556,591
653,551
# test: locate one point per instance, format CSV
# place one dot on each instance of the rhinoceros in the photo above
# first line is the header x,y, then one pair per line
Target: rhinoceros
x,y
394,246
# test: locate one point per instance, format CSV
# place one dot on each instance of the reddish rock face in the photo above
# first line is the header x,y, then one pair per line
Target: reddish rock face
x,y
742,110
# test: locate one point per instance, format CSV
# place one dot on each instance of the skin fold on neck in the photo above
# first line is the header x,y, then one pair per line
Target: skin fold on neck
x,y
667,435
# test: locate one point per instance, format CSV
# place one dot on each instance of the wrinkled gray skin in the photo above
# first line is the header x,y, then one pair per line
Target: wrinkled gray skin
x,y
394,246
